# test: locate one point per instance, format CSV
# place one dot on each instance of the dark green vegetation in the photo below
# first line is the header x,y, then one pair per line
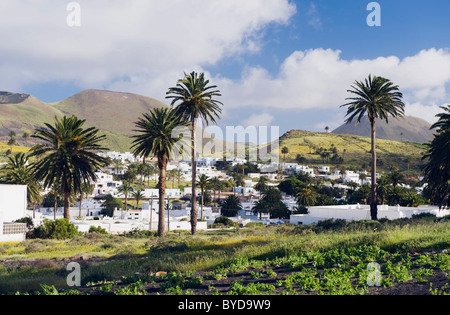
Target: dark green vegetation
x,y
330,258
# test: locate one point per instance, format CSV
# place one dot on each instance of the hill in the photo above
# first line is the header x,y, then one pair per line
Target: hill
x,y
411,129
114,113
355,151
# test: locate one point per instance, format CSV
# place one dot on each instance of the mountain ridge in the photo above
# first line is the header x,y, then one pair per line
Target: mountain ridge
x,y
409,128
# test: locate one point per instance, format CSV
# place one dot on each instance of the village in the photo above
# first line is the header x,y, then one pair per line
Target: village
x,y
138,208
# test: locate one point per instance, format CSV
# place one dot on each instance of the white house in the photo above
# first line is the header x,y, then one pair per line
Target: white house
x,y
170,193
106,185
351,176
13,206
323,169
361,212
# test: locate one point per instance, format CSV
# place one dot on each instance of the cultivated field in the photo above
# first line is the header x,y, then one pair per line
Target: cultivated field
x,y
410,256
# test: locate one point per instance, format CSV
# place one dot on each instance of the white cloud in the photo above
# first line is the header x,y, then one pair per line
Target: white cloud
x,y
320,78
263,119
133,39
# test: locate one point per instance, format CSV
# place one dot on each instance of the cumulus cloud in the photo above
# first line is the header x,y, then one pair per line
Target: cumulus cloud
x,y
263,119
320,78
121,42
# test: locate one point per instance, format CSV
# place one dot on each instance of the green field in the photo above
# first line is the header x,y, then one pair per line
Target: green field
x,y
328,259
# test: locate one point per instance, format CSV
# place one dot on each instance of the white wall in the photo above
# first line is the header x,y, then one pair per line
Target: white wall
x,y
13,202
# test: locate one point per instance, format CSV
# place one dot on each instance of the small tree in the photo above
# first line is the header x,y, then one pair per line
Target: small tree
x,y
231,206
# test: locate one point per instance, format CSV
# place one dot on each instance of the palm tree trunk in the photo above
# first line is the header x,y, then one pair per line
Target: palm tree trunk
x,y
81,200
194,215
201,216
151,213
373,201
67,205
162,161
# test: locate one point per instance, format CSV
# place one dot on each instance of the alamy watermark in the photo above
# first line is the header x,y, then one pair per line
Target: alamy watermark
x,y
235,142
374,276
74,277
374,18
74,17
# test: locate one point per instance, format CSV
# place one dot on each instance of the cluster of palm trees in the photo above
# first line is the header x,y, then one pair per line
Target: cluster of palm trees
x,y
193,99
66,158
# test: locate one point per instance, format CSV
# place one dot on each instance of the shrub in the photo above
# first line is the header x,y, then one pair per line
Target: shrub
x,y
98,229
60,229
225,221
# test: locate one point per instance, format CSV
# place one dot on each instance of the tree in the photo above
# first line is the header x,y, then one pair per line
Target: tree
x,y
377,97
86,189
271,203
231,206
154,138
138,196
126,189
68,156
261,185
110,204
284,151
437,169
306,197
203,183
300,159
195,99
17,172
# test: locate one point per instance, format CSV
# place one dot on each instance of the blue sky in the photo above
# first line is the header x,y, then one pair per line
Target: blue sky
x,y
277,62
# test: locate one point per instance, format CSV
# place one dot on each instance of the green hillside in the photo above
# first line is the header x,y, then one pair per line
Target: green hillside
x,y
355,151
114,113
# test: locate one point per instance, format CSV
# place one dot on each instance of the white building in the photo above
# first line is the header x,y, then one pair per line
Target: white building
x,y
125,158
170,193
351,176
106,185
323,169
361,212
13,206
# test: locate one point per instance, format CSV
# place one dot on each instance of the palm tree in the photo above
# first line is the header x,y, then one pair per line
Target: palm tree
x,y
126,189
17,172
69,156
377,97
437,169
154,138
195,98
203,182
231,206
86,189
214,184
284,151
138,196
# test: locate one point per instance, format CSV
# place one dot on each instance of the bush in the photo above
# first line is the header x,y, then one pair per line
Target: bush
x,y
60,229
225,221
98,229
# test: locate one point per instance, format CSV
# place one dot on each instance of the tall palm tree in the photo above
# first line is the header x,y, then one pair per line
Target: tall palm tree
x,y
437,169
376,97
69,156
203,182
154,138
195,99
